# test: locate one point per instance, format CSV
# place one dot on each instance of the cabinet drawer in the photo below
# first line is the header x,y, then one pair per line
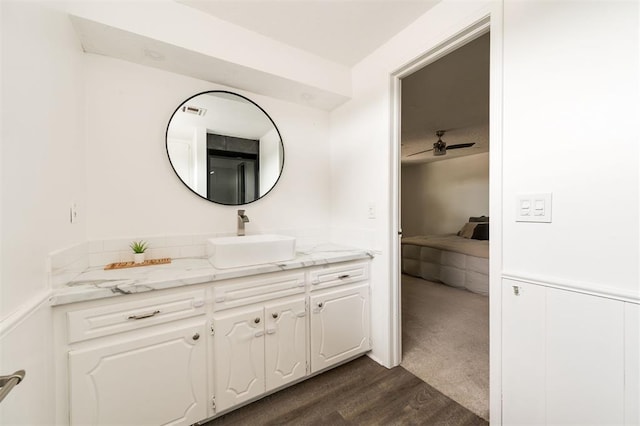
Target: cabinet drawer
x,y
105,320
245,291
335,275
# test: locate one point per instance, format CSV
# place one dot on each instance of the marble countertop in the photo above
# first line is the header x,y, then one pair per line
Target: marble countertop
x,y
96,283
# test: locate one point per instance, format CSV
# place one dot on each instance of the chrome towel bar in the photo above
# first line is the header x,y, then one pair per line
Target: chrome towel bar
x,y
8,382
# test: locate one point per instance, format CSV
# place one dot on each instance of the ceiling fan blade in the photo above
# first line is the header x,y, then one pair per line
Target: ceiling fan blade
x,y
421,152
461,145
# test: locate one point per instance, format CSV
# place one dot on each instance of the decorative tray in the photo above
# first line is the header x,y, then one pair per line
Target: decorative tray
x,y
122,265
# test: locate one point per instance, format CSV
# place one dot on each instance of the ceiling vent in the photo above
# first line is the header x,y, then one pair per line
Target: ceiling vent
x,y
194,110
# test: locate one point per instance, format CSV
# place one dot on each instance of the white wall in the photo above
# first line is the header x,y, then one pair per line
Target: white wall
x,y
571,72
133,189
361,152
439,197
43,145
571,69
43,158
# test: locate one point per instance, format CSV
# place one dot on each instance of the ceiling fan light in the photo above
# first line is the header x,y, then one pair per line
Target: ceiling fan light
x,y
439,148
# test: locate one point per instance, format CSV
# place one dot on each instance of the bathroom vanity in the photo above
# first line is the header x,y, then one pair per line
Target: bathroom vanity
x,y
179,343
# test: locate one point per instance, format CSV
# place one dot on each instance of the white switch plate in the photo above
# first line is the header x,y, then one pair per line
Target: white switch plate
x,y
371,212
73,213
533,207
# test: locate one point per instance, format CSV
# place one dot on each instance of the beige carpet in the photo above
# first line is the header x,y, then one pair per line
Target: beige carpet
x,y
445,338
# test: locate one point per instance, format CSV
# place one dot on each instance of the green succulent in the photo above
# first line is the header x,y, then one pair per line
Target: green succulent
x,y
138,246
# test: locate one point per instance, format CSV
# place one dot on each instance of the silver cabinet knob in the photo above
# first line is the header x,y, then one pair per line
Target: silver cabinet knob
x,y
274,315
196,336
320,305
257,320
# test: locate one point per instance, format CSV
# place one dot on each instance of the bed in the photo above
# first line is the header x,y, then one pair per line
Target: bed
x,y
451,259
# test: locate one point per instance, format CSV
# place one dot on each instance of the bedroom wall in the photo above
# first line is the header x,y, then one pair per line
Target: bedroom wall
x,y
439,197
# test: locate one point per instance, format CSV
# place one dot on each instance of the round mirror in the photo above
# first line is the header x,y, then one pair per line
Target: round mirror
x,y
224,147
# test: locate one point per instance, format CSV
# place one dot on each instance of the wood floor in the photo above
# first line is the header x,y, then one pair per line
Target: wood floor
x,y
360,392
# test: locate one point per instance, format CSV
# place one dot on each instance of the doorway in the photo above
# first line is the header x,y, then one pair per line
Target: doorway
x,y
232,169
441,222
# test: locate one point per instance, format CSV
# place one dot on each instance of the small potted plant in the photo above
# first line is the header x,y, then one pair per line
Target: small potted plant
x,y
138,247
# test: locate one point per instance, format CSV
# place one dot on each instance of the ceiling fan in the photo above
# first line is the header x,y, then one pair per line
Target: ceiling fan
x,y
440,147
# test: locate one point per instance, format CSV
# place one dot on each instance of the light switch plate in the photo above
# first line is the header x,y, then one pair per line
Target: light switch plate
x,y
533,207
73,213
371,211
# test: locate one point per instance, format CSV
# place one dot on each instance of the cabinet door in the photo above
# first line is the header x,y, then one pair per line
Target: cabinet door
x,y
339,325
285,342
238,356
155,380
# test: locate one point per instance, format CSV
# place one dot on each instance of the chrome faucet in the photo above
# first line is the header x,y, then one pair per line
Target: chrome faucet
x,y
242,219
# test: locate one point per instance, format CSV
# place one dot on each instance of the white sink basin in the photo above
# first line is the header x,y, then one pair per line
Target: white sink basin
x,y
233,252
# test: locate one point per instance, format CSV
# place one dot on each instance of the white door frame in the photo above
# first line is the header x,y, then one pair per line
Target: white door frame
x,y
492,21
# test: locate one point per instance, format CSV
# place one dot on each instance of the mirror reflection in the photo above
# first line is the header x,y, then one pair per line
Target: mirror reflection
x,y
224,147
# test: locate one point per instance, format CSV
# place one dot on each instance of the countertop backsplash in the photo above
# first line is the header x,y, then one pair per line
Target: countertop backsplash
x,y
66,264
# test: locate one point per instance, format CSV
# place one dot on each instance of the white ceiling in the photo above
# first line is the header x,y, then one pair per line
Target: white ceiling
x,y
450,94
343,31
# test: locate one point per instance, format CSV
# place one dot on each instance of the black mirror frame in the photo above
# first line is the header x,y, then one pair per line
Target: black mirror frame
x,y
166,144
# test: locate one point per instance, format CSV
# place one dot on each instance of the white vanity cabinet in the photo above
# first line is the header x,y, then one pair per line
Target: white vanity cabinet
x,y
238,356
179,356
258,349
261,346
340,318
275,330
285,342
139,362
339,326
155,380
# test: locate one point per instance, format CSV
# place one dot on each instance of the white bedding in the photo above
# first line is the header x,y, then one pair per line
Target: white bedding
x,y
452,260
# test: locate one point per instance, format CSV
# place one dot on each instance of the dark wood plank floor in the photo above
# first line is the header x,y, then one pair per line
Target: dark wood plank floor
x,y
360,392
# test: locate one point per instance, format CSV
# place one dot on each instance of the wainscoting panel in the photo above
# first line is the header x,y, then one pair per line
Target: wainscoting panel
x,y
585,359
568,356
523,353
632,364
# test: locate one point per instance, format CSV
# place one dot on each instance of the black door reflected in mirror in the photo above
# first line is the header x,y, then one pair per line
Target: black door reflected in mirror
x,y
224,147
